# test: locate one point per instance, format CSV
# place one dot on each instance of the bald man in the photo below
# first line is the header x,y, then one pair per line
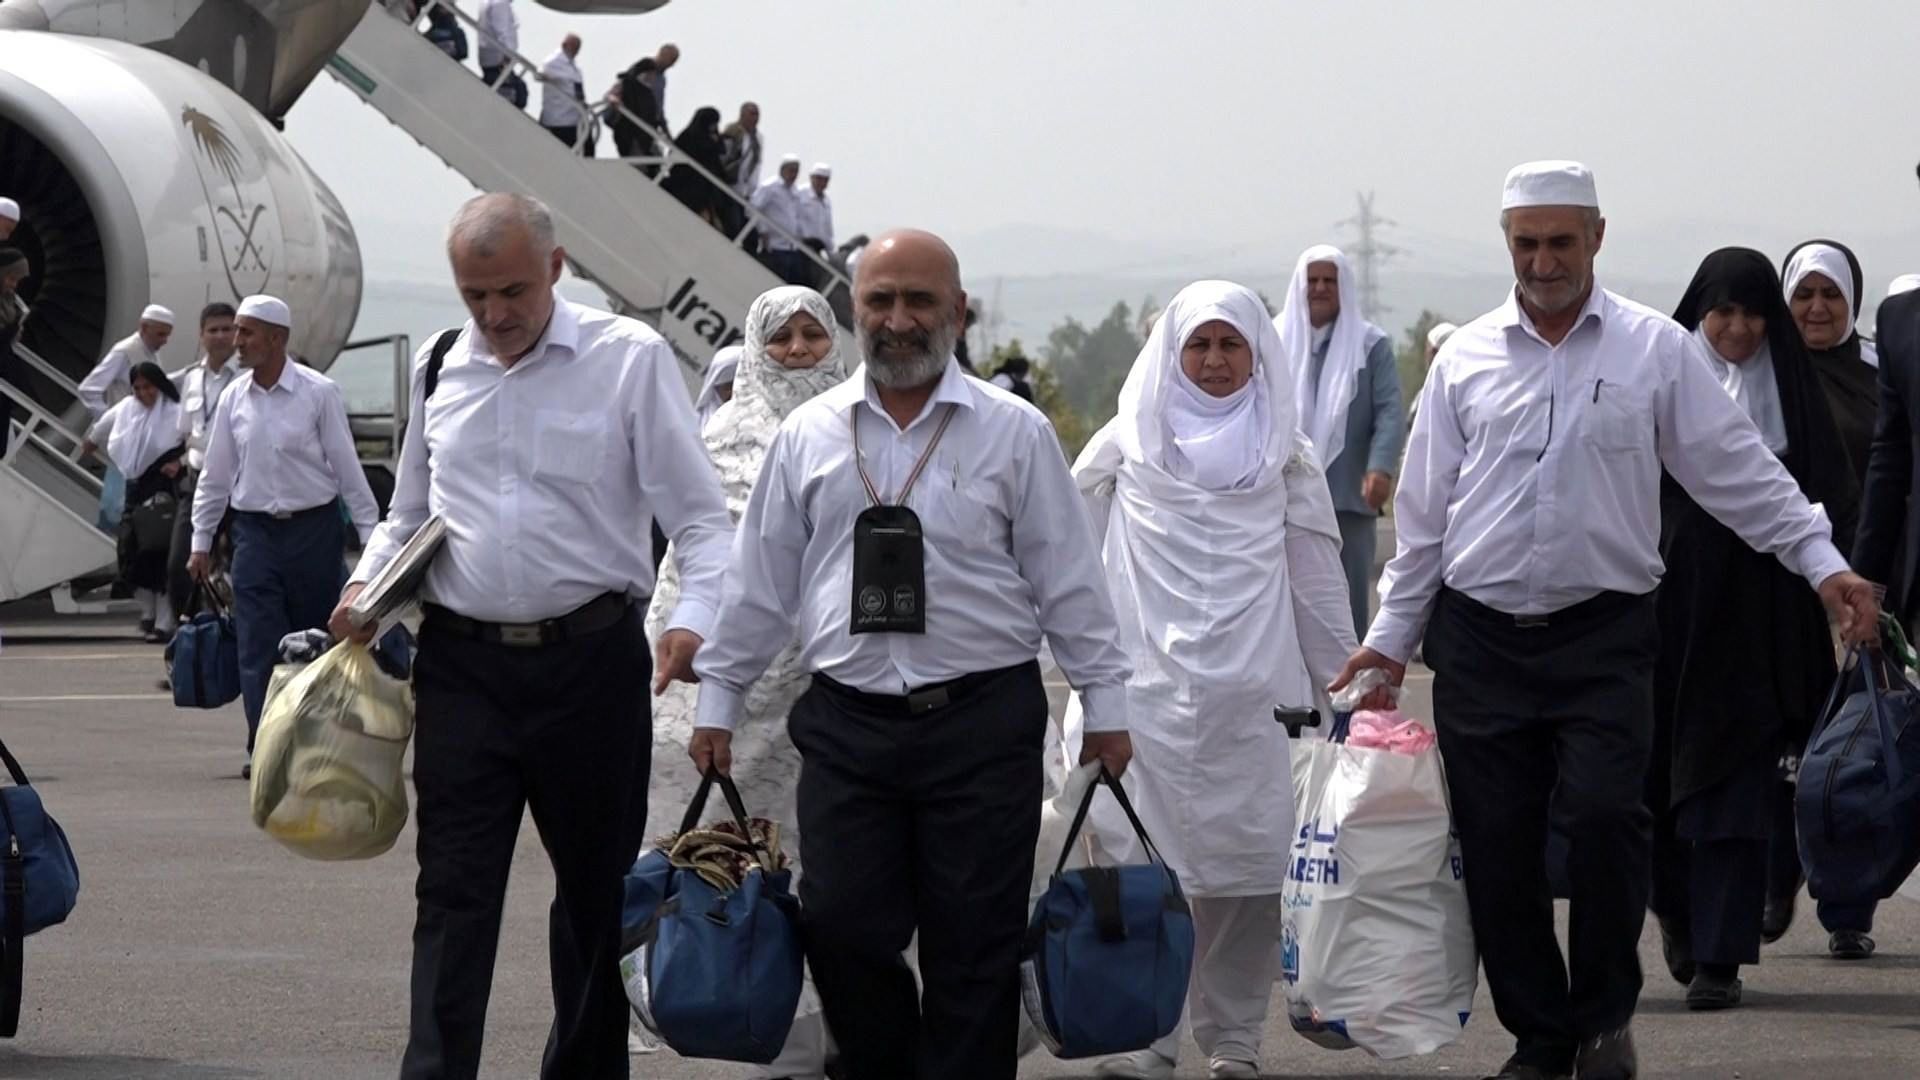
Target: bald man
x,y
563,97
919,530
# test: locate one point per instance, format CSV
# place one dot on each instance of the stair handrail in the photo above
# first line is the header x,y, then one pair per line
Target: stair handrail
x,y
38,417
38,363
669,153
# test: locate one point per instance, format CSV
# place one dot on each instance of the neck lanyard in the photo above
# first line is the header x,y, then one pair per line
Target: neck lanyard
x,y
873,493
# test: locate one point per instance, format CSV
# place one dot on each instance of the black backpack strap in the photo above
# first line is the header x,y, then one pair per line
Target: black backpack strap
x,y
438,358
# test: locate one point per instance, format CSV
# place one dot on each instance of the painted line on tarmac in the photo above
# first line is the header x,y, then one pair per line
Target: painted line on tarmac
x,y
48,699
80,656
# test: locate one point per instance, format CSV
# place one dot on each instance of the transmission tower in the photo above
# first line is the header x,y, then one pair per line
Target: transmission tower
x,y
1369,253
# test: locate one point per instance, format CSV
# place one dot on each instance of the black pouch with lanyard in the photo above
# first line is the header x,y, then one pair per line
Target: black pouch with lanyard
x,y
889,551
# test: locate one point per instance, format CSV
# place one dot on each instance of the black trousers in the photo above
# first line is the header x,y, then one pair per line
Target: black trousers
x,y
920,822
179,582
1563,710
498,729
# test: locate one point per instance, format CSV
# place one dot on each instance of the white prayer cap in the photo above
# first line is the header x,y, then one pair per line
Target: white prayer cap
x,y
790,159
9,210
268,309
1438,336
1905,283
156,313
820,169
1549,183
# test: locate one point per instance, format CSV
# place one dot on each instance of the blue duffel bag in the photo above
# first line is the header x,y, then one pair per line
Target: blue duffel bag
x,y
1857,804
1105,964
39,882
715,973
203,659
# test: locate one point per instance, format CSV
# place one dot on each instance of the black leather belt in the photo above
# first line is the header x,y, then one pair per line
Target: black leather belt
x,y
926,699
603,612
289,515
1594,607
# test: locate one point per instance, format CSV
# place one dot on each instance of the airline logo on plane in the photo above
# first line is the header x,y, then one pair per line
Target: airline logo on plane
x,y
237,216
702,317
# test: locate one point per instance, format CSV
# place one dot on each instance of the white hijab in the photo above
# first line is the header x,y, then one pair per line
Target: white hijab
x,y
1831,263
137,435
1171,426
1753,387
765,391
1323,408
719,373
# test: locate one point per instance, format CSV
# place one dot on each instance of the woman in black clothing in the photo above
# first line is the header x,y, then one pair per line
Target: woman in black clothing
x,y
1823,289
700,141
1745,656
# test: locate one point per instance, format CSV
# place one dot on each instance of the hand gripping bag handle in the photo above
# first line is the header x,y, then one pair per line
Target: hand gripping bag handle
x,y
1080,818
691,819
1865,662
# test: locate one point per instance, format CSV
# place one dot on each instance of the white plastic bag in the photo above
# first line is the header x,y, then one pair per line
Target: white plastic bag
x,y
1376,947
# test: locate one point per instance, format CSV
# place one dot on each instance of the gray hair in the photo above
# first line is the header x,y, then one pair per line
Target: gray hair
x,y
1592,215
483,222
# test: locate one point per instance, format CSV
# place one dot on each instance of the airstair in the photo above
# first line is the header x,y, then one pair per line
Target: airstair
x,y
48,533
653,257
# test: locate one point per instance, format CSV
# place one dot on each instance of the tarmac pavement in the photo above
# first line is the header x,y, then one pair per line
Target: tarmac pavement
x,y
201,949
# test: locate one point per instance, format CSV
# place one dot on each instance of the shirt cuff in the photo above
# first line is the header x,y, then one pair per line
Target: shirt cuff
x,y
693,614
719,706
1104,708
202,542
1819,560
1393,636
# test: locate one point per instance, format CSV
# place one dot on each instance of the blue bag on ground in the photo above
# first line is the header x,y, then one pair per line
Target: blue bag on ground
x,y
1105,964
1858,799
714,970
203,659
39,881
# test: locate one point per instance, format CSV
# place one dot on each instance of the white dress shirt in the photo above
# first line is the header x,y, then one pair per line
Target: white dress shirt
x,y
816,217
549,472
500,32
1010,554
1532,475
200,390
780,202
559,91
280,451
112,378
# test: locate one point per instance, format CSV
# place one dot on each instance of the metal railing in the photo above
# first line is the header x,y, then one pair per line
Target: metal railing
x,y
33,433
670,154
402,346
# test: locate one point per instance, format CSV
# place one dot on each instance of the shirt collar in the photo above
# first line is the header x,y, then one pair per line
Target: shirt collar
x,y
1511,315
951,390
562,333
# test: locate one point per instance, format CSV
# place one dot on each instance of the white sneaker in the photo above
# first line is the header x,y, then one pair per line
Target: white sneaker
x,y
1228,1069
1139,1065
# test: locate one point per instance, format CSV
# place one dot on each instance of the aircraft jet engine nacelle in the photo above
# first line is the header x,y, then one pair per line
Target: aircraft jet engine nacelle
x,y
142,180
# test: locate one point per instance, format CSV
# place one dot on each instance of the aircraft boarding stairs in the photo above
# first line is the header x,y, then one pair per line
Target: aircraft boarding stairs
x,y
51,501
652,256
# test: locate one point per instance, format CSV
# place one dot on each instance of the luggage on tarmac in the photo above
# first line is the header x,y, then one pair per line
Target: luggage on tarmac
x,y
1857,802
39,882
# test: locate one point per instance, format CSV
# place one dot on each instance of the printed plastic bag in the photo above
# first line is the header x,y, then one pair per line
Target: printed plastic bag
x,y
1376,947
327,775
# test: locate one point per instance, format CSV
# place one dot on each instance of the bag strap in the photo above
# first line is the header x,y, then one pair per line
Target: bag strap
x,y
1889,743
13,935
436,359
691,819
1855,659
1080,818
19,776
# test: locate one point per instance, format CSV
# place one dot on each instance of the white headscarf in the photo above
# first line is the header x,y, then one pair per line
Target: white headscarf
x,y
1831,263
1752,386
765,391
1171,426
719,373
1323,409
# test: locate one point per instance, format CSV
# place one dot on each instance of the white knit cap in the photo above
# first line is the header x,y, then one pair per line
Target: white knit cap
x,y
156,313
268,309
790,159
9,210
1905,283
1438,336
1549,183
820,169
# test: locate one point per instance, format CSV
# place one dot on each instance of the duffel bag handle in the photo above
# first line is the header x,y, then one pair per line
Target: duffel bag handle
x,y
13,766
698,806
1086,803
1865,661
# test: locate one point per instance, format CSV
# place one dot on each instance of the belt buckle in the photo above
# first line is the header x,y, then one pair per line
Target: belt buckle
x,y
1529,622
281,515
522,635
926,701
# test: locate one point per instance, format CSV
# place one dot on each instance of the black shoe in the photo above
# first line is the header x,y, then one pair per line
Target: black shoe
x,y
1676,947
1607,1057
1716,987
1777,918
1849,945
246,771
157,637
1518,1070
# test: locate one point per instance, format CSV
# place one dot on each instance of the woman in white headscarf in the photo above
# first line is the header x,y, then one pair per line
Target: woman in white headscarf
x,y
791,354
1823,285
1223,556
142,438
716,384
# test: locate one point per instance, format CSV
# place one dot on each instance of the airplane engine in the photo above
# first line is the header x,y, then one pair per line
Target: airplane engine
x,y
143,180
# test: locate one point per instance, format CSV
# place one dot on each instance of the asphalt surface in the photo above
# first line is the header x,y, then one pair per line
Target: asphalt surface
x,y
201,949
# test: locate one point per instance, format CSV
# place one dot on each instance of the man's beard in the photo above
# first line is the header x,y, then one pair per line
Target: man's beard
x,y
1574,288
927,361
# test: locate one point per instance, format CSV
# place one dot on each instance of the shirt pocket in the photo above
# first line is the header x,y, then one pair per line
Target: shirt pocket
x,y
569,447
1619,419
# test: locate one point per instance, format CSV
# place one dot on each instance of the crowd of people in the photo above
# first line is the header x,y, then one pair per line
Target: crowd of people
x,y
715,170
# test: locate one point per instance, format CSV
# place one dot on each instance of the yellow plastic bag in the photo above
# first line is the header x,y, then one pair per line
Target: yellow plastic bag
x,y
328,780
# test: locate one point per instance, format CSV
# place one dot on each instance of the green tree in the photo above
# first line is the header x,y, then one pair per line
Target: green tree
x,y
1068,422
1091,363
1411,357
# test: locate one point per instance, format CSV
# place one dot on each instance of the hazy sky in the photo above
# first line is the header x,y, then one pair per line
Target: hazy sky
x,y
1182,132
